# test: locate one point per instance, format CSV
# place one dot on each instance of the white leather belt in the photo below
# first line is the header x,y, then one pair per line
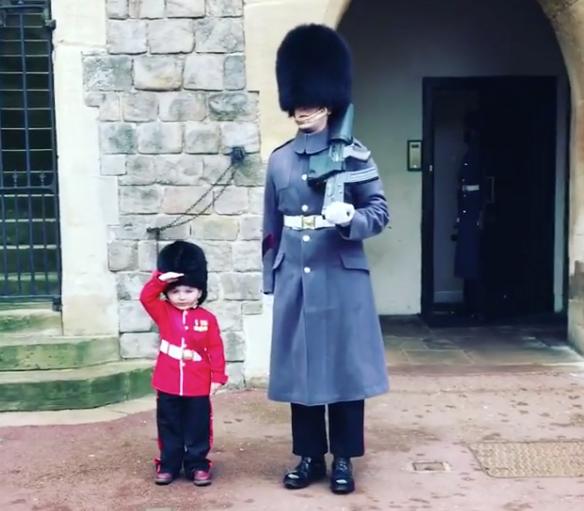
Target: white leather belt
x,y
302,222
178,353
471,188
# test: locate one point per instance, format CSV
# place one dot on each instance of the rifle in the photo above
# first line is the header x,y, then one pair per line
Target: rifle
x,y
330,165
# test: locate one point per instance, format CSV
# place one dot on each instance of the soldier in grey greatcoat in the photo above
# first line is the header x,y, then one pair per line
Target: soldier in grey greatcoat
x,y
327,348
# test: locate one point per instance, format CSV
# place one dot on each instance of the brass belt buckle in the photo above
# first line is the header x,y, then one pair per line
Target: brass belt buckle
x,y
308,222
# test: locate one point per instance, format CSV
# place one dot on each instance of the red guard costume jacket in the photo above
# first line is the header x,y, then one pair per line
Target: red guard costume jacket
x,y
180,372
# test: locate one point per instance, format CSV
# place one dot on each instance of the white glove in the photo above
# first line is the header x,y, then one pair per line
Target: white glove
x,y
339,213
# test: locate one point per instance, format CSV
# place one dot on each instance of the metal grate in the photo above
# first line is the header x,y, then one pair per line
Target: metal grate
x,y
531,459
30,265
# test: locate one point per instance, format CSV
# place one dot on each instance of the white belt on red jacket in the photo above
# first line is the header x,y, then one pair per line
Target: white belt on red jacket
x,y
178,353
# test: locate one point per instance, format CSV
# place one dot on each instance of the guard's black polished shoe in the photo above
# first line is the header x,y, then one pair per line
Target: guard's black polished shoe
x,y
306,472
342,481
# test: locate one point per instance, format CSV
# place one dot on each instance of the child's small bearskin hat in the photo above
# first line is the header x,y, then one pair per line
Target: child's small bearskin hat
x,y
187,258
313,69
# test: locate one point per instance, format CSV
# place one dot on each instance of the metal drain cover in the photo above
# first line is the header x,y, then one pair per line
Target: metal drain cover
x,y
430,466
531,459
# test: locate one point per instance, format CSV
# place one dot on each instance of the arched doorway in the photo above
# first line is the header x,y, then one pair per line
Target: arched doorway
x,y
493,238
566,17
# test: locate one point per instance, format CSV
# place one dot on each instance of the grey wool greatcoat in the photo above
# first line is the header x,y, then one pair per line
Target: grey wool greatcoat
x,y
326,339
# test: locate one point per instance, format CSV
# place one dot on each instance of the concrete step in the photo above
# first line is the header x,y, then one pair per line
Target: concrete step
x,y
40,321
87,387
37,352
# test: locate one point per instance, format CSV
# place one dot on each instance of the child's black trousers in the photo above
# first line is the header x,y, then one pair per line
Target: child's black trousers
x,y
185,433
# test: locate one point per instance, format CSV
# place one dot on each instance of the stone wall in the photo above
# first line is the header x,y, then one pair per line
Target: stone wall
x,y
172,99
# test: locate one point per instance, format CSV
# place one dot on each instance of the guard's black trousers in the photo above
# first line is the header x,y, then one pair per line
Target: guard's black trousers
x,y
184,432
345,420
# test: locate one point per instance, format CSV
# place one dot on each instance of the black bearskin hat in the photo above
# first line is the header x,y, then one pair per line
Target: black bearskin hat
x,y
313,69
187,258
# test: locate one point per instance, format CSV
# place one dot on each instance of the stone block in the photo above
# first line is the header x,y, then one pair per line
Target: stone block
x,y
148,9
218,254
127,36
216,168
117,138
204,72
147,255
158,73
231,201
133,317
225,7
228,315
177,199
112,73
250,227
117,9
140,170
171,36
140,199
234,72
219,35
130,284
159,138
122,255
140,106
245,134
177,232
182,106
247,256
179,170
234,345
250,172
202,137
135,227
109,109
241,286
215,228
94,99
252,308
139,345
113,164
233,106
213,288
236,375
185,8
256,200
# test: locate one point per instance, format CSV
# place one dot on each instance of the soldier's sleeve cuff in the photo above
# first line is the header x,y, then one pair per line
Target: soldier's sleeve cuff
x,y
219,378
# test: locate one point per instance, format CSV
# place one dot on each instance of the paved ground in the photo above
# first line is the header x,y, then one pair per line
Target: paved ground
x,y
435,411
411,343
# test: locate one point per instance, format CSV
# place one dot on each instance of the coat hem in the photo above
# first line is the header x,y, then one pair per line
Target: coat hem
x,y
376,391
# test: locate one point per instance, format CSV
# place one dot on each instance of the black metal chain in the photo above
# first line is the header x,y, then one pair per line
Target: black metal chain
x,y
237,156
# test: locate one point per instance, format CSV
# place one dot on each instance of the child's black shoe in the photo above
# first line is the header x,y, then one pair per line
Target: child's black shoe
x,y
202,477
163,478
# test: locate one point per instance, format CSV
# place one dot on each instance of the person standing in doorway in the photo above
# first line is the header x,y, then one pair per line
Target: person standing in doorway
x,y
327,349
469,224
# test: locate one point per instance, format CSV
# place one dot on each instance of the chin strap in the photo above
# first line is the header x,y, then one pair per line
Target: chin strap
x,y
307,122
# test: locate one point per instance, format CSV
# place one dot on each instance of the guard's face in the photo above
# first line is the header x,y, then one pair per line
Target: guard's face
x,y
304,111
311,119
184,297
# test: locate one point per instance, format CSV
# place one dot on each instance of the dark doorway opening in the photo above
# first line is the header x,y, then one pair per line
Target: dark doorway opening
x,y
488,198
